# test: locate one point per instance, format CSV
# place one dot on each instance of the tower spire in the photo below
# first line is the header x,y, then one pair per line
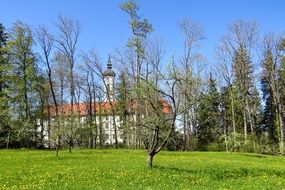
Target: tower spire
x,y
109,64
109,72
109,77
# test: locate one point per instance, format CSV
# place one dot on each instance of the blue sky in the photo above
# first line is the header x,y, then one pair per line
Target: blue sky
x,y
105,27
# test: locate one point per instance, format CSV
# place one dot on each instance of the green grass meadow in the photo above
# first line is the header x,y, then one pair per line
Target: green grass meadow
x,y
126,169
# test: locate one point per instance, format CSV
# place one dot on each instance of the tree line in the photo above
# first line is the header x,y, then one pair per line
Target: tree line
x,y
235,104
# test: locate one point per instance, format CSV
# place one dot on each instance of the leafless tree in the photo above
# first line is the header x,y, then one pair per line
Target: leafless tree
x,y
46,41
226,77
66,43
190,70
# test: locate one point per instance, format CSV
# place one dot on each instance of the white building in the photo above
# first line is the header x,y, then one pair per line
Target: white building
x,y
101,112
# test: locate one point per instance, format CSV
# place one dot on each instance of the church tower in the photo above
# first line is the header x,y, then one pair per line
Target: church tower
x,y
109,80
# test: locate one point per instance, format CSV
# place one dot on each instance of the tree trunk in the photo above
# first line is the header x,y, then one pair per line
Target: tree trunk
x,y
114,126
69,144
244,124
280,120
48,126
226,139
149,160
233,112
57,146
281,138
41,133
249,116
95,115
90,141
8,139
48,131
57,140
186,130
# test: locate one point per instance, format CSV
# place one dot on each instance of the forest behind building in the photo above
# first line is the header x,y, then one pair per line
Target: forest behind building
x,y
233,102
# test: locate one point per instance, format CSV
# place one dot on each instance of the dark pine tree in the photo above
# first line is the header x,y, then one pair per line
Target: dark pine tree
x,y
269,117
208,113
269,112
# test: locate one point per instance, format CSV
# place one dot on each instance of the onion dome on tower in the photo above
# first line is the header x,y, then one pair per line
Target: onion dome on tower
x,y
109,72
109,81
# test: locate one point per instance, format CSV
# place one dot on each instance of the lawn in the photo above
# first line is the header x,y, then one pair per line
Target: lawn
x,y
126,169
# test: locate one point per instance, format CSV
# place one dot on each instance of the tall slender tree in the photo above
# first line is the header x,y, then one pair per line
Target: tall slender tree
x,y
5,116
123,91
66,43
46,41
191,67
140,28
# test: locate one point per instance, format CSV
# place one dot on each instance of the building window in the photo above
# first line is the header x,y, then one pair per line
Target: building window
x,y
106,125
114,136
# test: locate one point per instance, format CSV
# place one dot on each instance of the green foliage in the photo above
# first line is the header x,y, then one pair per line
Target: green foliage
x,y
214,147
125,169
24,70
265,145
139,27
175,142
22,83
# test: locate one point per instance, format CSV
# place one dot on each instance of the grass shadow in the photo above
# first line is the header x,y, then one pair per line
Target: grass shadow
x,y
253,155
220,174
175,169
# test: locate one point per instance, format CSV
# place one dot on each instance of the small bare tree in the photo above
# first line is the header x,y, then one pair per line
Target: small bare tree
x,y
163,102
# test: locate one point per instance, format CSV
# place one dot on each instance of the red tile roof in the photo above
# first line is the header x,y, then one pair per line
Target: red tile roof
x,y
82,108
103,108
